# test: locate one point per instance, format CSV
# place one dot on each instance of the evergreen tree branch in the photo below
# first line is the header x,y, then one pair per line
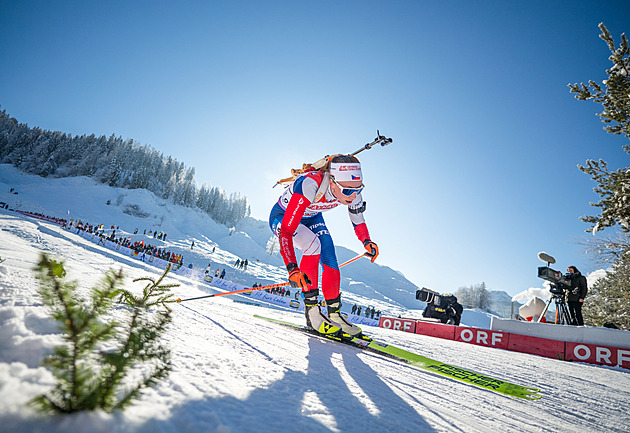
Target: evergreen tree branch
x,y
89,378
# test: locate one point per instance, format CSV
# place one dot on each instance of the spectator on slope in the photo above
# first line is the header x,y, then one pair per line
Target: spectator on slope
x,y
297,220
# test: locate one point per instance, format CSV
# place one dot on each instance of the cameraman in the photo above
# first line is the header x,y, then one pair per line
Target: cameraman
x,y
576,294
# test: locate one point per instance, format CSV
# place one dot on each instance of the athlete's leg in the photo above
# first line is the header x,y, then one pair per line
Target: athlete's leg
x,y
308,242
328,258
331,277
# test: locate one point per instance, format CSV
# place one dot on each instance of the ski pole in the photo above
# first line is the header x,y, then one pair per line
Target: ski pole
x,y
352,260
251,289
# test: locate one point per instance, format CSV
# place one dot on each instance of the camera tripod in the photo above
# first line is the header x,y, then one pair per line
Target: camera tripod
x,y
562,311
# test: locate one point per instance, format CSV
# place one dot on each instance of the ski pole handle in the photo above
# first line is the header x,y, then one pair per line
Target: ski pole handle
x,y
251,289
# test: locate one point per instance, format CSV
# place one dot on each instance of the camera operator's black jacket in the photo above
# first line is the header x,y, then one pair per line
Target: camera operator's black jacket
x,y
448,310
578,288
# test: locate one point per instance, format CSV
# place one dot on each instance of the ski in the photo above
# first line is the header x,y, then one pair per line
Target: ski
x,y
423,363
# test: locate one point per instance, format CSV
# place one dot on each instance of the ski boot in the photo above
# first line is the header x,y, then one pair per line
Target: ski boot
x,y
314,317
334,313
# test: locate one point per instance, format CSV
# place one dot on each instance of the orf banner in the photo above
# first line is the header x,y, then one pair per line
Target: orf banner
x,y
598,354
482,337
406,325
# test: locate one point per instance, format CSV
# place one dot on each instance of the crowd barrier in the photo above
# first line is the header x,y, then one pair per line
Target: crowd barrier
x,y
589,352
41,217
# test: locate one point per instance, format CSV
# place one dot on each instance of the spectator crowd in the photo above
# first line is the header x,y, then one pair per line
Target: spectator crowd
x,y
143,249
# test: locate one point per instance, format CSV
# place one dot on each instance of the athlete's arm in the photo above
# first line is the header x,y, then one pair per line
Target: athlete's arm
x,y
292,217
355,210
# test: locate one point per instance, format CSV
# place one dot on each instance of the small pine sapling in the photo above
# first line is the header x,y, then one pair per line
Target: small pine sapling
x,y
98,353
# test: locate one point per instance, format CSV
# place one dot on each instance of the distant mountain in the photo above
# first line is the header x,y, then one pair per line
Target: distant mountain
x,y
501,303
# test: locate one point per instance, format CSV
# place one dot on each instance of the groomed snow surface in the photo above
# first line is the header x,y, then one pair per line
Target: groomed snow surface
x,y
235,373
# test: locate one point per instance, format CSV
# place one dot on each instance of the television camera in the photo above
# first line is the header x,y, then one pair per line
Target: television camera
x,y
558,287
559,284
443,307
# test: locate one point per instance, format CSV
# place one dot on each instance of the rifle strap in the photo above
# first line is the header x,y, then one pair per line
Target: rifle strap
x,y
323,187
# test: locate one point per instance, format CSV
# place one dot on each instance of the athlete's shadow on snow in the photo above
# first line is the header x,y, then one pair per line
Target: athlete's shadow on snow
x,y
307,402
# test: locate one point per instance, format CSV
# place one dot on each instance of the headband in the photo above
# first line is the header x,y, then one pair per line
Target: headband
x,y
346,171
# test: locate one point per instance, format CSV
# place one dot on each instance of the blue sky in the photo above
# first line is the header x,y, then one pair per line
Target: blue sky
x,y
482,174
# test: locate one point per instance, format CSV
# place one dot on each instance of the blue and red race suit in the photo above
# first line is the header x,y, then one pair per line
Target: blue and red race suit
x,y
297,220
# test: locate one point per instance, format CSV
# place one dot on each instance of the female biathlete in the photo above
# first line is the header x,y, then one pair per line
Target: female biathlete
x,y
297,221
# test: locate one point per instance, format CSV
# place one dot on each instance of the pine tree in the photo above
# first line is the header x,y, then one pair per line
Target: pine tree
x,y
99,353
475,296
609,297
614,96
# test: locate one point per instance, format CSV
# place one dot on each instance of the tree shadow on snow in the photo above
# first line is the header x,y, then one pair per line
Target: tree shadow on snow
x,y
348,398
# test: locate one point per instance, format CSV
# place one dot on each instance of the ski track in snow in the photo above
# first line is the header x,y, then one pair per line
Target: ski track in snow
x,y
235,373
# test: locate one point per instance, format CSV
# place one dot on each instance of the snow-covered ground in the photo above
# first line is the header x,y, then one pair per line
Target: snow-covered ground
x,y
235,373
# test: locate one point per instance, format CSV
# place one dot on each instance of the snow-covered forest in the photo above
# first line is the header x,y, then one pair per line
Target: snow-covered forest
x,y
114,161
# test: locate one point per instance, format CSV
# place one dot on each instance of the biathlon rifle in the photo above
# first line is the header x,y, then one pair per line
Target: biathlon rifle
x,y
322,164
